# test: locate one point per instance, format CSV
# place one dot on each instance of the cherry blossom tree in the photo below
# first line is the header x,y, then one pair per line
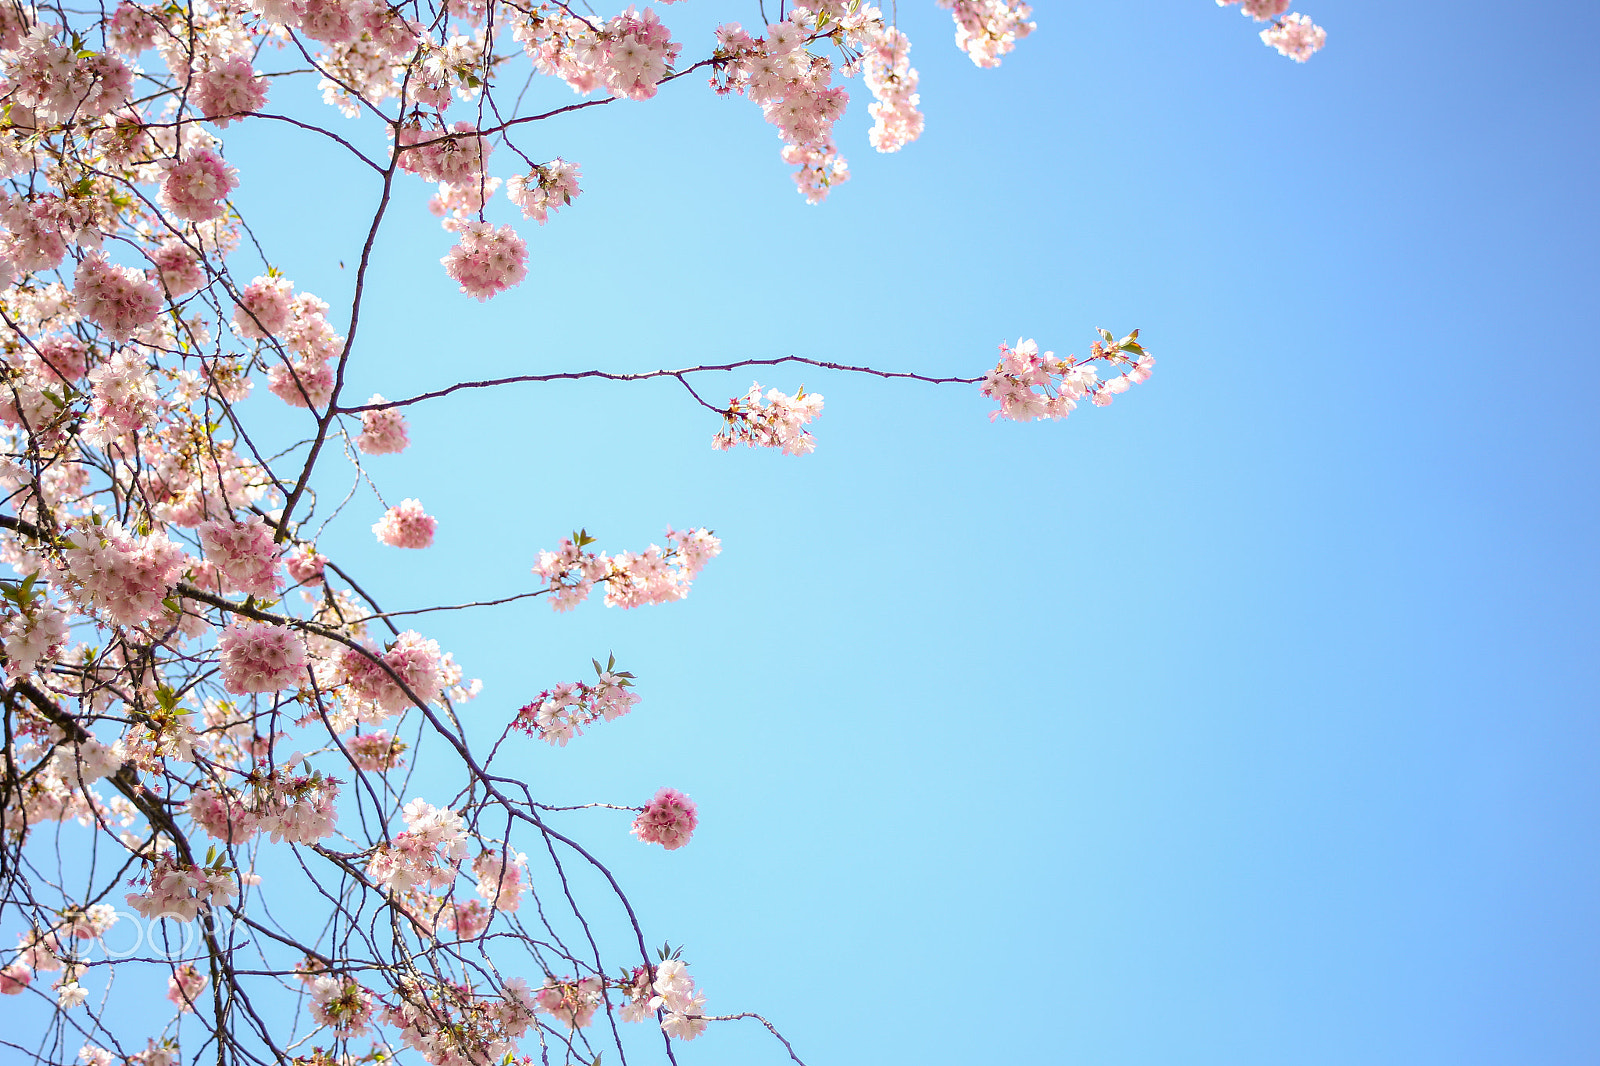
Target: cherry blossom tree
x,y
204,713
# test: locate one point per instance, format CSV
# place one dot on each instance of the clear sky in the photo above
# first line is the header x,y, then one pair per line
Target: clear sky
x,y
1250,721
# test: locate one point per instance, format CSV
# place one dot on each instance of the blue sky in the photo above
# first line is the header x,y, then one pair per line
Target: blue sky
x,y
1248,721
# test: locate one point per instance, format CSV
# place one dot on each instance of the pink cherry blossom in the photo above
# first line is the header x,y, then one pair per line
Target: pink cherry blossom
x,y
889,77
119,300
14,979
177,268
302,383
132,29
33,636
125,400
196,186
184,987
1260,10
63,357
1030,385
668,819
559,714
229,89
305,566
1296,36
383,432
342,1004
773,422
38,232
682,1006
988,29
638,54
631,579
377,752
124,575
223,814
426,854
406,525
544,189
245,553
264,307
571,1002
261,657
457,156
500,878
412,658
178,891
487,260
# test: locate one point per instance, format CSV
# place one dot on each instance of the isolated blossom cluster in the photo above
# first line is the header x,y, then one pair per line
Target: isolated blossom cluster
x,y
632,579
778,70
771,421
1294,36
1031,385
559,714
669,819
988,29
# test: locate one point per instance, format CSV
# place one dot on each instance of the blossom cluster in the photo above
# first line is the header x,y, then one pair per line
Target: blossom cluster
x,y
184,987
887,73
297,807
118,299
383,432
631,579
558,714
1030,385
47,950
245,554
377,680
773,421
794,88
122,575
1294,36
669,819
488,259
406,525
426,855
342,1004
501,876
376,752
261,657
988,29
36,632
545,188
179,890
452,1024
682,1005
